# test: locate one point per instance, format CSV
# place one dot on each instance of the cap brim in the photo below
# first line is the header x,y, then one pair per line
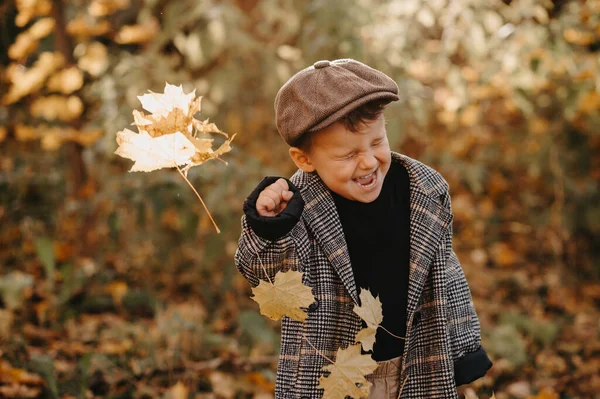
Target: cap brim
x,y
339,114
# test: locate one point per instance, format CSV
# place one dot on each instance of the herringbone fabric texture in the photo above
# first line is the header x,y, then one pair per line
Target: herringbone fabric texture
x,y
441,321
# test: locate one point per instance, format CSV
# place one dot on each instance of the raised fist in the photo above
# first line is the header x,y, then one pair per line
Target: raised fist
x,y
274,198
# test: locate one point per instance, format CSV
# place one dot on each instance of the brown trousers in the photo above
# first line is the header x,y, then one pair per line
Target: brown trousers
x,y
386,379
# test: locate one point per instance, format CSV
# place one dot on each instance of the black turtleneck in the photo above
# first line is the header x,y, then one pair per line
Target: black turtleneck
x,y
377,235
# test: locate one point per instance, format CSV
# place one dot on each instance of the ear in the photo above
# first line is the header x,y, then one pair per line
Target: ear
x,y
301,159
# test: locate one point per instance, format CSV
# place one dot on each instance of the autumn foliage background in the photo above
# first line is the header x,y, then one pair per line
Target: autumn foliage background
x,y
115,284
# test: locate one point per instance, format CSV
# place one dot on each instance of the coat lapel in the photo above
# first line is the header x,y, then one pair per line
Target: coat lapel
x,y
324,222
429,220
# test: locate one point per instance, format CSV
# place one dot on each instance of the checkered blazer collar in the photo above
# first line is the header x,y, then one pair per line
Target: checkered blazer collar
x,y
429,220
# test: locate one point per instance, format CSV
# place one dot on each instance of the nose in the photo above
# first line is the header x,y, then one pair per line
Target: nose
x,y
368,161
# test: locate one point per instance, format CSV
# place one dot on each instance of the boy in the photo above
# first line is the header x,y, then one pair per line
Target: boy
x,y
357,216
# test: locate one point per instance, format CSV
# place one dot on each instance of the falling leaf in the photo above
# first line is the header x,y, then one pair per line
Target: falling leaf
x,y
166,137
370,310
175,121
140,33
154,153
66,81
349,369
284,297
161,104
366,337
94,59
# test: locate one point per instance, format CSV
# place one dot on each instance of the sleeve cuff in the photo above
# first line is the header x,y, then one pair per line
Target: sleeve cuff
x,y
471,366
273,227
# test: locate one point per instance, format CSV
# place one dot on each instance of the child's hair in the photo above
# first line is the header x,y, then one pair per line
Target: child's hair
x,y
352,120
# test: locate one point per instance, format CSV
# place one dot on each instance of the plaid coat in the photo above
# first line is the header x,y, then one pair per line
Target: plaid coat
x,y
442,326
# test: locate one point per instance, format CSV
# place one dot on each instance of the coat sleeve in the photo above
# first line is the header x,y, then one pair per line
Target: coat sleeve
x,y
270,244
470,358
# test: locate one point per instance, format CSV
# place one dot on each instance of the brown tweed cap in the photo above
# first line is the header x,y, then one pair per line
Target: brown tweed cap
x,y
323,93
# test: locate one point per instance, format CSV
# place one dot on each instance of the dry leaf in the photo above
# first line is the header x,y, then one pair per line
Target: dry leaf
x,y
284,297
57,107
161,104
26,132
178,391
19,391
22,47
3,133
115,348
140,33
94,59
53,137
223,385
118,290
26,81
370,310
85,26
31,8
66,81
366,337
6,322
101,8
166,137
150,153
349,369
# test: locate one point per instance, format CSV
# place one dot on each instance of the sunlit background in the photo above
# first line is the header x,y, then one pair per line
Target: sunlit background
x,y
115,284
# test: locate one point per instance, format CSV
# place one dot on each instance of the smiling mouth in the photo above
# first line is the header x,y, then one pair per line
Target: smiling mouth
x,y
367,181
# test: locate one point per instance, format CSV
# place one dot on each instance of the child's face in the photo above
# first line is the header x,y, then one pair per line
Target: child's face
x,y
351,164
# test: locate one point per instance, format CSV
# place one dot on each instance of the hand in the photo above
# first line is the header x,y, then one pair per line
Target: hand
x,y
274,198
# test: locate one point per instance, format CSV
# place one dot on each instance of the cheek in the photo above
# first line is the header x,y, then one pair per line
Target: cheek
x,y
345,172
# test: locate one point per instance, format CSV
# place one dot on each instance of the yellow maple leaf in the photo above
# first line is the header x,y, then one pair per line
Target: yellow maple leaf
x,y
349,369
366,337
370,310
284,296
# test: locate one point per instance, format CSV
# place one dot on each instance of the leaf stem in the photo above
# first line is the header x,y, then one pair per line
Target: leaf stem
x,y
387,331
200,198
263,267
318,351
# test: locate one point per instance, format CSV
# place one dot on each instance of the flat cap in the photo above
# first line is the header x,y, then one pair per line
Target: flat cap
x,y
323,93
